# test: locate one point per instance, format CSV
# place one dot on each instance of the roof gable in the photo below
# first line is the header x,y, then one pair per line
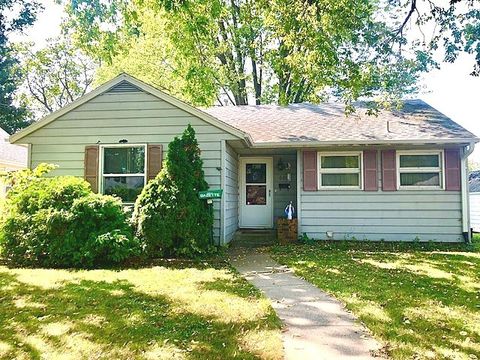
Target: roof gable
x,y
124,87
126,83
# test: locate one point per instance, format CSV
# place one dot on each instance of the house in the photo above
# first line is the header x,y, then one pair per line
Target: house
x,y
474,198
400,175
12,157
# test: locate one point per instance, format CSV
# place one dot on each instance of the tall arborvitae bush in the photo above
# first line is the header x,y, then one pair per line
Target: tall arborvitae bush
x,y
169,217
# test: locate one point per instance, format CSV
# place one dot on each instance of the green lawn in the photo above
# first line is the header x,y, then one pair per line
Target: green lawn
x,y
161,312
422,301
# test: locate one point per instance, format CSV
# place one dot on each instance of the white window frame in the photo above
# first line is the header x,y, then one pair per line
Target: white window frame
x,y
358,171
102,159
440,169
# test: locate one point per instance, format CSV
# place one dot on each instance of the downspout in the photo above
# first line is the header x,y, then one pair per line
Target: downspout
x,y
29,156
467,150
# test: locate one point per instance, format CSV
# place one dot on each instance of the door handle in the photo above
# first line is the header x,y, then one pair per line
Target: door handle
x,y
269,192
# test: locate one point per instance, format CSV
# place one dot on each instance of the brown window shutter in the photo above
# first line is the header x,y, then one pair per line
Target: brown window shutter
x,y
154,160
310,170
452,169
389,170
370,170
91,166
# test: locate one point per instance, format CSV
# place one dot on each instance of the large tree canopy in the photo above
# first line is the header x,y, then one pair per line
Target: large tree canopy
x,y
53,76
264,51
15,16
453,25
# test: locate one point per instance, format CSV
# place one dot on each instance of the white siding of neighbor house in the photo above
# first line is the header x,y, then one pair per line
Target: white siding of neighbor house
x,y
231,193
406,215
135,116
475,211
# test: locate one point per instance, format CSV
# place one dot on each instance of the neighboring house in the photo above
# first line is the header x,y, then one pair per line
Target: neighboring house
x,y
474,195
12,157
398,176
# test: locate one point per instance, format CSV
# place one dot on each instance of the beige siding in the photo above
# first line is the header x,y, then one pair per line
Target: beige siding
x,y
392,216
136,116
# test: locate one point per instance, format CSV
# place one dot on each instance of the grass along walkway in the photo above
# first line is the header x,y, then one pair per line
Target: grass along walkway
x,y
150,313
422,301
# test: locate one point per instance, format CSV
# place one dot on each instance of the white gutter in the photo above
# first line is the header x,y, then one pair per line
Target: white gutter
x,y
467,150
309,144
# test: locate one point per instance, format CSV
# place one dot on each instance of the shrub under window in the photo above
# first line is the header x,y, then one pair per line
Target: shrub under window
x,y
59,222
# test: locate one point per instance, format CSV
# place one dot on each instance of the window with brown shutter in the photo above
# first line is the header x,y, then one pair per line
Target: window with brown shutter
x,y
340,170
370,170
309,170
452,170
123,170
389,170
420,169
154,160
91,166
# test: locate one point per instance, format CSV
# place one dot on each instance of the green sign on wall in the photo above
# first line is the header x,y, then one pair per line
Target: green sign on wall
x,y
210,194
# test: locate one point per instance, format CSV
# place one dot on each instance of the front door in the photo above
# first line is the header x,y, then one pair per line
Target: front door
x,y
256,198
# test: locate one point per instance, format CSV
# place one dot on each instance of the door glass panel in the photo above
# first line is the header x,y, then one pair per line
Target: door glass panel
x,y
256,194
256,173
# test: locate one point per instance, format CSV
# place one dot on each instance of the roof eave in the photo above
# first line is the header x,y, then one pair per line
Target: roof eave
x,y
307,144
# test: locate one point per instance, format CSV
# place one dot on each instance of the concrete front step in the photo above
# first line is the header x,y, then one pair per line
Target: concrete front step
x,y
254,238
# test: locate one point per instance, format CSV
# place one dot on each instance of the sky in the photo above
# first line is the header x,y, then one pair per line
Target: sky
x,y
450,89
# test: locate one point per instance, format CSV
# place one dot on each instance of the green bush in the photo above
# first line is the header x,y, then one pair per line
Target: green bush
x,y
59,222
169,217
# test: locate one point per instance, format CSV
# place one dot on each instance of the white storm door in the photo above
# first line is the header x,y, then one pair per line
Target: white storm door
x,y
256,192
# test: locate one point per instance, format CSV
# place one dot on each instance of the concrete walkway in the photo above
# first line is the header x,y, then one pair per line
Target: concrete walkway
x,y
316,325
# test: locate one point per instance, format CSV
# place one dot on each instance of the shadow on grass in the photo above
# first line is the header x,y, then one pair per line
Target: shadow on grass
x,y
236,287
422,302
112,319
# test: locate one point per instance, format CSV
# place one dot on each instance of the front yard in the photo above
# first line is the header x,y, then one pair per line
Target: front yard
x,y
160,312
422,301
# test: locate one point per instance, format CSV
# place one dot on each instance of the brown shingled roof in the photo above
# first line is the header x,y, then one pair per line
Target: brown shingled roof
x,y
304,123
